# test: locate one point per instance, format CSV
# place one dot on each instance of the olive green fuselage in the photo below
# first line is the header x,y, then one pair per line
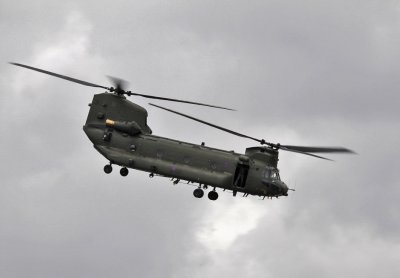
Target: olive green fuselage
x,y
126,140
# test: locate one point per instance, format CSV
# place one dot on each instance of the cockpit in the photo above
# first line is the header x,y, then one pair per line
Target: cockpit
x,y
272,182
271,173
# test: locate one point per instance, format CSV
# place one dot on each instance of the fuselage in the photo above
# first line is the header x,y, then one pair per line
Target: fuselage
x,y
254,172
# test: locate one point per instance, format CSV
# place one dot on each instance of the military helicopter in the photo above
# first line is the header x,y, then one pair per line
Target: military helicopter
x,y
118,130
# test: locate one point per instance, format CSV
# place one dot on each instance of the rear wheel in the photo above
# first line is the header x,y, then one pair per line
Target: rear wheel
x,y
198,193
108,169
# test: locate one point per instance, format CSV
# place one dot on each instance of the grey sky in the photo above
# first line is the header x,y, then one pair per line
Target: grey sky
x,y
299,72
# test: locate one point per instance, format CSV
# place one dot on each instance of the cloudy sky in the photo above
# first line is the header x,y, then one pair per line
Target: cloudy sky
x,y
298,72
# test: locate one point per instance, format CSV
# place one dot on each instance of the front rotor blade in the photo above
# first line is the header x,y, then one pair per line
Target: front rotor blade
x,y
182,101
306,153
318,149
60,76
295,149
209,124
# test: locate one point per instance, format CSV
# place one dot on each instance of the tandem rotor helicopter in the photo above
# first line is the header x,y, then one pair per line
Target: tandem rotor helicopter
x,y
118,130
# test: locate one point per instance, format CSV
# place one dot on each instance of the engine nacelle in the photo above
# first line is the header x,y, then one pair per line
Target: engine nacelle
x,y
131,128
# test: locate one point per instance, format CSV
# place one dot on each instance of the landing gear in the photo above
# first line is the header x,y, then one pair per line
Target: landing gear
x,y
198,193
124,171
108,169
175,182
213,195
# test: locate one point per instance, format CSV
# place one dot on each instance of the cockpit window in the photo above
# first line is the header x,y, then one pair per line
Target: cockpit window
x,y
271,173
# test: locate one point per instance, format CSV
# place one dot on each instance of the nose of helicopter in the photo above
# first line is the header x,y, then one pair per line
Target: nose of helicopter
x,y
284,188
277,187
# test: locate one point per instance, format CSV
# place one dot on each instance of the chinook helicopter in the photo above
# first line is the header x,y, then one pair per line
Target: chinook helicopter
x,y
118,130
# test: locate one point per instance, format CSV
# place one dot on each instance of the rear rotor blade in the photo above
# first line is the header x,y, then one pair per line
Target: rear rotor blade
x,y
209,124
60,76
119,84
179,100
119,87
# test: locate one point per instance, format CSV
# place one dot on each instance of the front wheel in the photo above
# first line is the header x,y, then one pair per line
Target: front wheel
x,y
213,195
124,171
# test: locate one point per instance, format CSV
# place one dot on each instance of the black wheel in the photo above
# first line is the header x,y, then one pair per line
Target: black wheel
x,y
198,193
124,171
213,195
108,169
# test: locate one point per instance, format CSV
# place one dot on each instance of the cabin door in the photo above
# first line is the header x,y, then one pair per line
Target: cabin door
x,y
241,172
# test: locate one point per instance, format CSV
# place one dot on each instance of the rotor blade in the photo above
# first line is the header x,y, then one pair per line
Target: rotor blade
x,y
295,149
119,84
318,149
306,153
178,100
60,76
209,124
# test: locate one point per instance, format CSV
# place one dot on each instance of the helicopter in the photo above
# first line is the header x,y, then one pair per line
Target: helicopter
x,y
118,130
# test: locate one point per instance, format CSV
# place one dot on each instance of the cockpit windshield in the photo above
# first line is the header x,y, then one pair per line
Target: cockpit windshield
x,y
272,173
